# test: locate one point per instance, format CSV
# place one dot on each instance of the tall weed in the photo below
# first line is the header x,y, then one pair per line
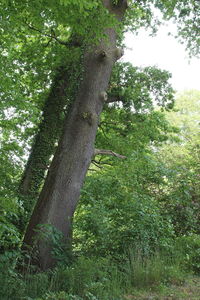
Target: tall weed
x,y
151,271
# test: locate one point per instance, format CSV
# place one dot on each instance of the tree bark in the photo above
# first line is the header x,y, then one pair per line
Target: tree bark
x,y
43,148
59,197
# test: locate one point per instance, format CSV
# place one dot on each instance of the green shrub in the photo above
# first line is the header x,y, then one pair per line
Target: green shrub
x,y
188,248
115,213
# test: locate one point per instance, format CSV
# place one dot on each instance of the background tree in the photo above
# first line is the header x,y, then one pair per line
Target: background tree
x,y
181,196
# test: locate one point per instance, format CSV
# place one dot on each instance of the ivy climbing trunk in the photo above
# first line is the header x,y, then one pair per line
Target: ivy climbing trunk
x,y
43,148
59,197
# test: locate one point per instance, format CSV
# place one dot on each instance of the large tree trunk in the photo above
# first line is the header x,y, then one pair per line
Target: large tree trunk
x,y
43,148
61,191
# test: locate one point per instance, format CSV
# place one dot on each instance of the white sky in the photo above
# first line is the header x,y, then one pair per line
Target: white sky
x,y
166,53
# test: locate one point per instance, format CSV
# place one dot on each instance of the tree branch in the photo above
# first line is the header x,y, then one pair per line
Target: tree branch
x,y
54,37
97,164
108,152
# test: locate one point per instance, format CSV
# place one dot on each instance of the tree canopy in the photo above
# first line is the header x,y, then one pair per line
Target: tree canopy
x,y
69,108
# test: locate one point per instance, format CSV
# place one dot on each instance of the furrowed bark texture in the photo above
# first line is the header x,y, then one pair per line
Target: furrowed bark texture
x,y
61,191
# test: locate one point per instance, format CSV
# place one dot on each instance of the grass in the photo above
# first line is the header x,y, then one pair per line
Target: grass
x,y
189,290
157,277
144,272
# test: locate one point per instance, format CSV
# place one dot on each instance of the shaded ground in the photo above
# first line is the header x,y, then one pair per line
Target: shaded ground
x,y
190,290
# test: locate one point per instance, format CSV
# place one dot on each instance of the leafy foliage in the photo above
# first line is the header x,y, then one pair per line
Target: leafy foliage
x,y
189,247
143,203
181,198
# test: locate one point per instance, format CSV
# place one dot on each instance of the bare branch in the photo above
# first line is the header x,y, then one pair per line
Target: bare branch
x,y
108,152
97,164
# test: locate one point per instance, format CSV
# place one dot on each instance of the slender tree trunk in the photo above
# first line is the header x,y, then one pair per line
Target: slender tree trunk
x,y
61,191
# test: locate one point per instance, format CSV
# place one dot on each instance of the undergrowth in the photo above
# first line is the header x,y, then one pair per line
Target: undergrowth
x,y
93,278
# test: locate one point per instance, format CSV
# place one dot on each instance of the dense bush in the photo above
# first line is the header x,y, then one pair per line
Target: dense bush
x,y
188,248
117,211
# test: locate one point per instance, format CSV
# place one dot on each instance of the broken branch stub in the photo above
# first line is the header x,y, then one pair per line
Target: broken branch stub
x,y
108,152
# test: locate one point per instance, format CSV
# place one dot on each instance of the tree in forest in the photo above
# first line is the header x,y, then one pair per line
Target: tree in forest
x,y
55,108
180,195
59,196
150,87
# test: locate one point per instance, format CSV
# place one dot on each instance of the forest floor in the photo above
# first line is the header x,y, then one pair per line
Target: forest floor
x,y
189,290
